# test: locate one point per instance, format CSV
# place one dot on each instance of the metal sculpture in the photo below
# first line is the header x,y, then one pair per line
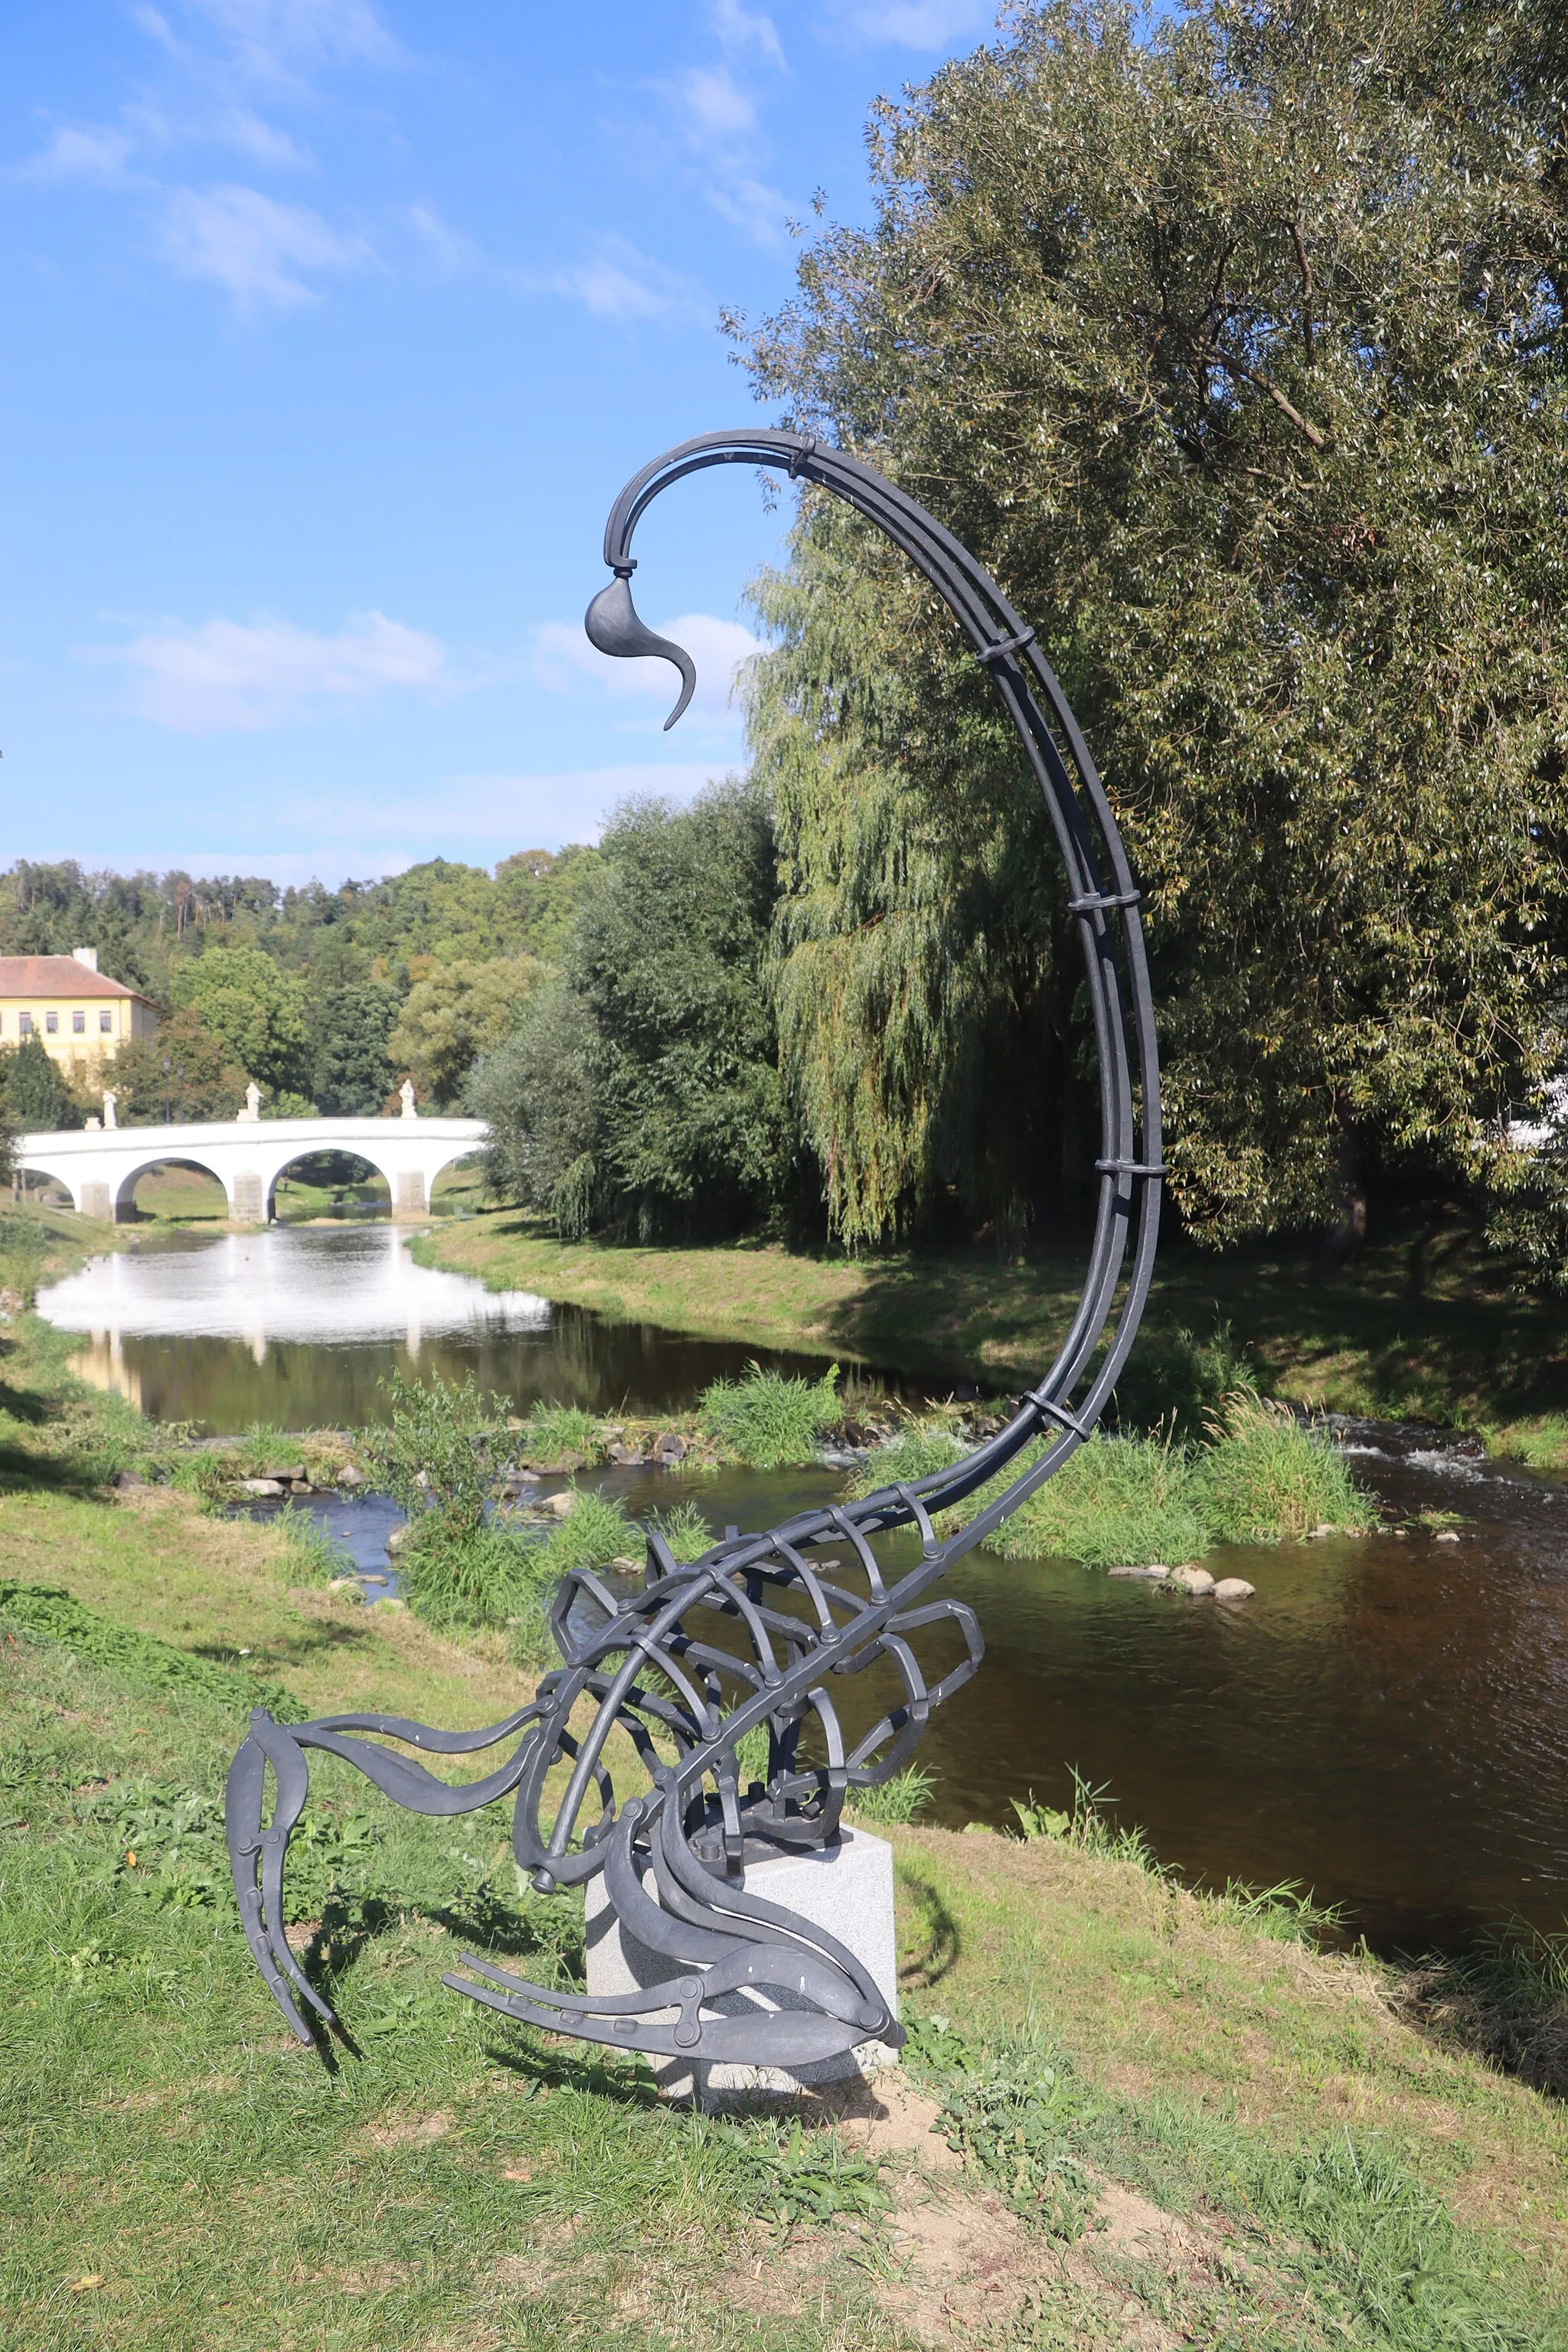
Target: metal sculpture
x,y
748,1639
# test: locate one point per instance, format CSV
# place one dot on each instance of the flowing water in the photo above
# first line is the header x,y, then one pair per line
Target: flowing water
x,y
1384,1723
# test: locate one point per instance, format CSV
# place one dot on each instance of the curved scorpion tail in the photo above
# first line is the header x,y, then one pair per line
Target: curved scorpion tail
x,y
257,1856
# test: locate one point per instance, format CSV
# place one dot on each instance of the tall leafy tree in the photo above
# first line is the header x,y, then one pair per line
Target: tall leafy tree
x,y
1236,347
37,1097
453,1014
641,1090
351,1069
258,1011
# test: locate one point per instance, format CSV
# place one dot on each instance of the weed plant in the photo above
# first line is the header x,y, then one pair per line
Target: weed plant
x,y
1087,1827
311,1555
456,1577
551,1431
685,1530
920,1450
1263,1476
1507,1998
901,1800
1127,1501
770,1421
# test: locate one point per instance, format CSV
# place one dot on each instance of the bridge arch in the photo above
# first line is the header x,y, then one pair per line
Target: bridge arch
x,y
323,1152
125,1196
30,1164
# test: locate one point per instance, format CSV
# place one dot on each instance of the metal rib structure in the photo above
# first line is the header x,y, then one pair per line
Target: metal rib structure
x,y
749,1638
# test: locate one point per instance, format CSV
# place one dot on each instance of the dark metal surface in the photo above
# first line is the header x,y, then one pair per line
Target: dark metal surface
x,y
748,1639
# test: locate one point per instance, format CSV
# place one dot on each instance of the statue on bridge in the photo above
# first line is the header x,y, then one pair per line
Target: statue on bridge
x,y
738,1651
406,1097
252,1102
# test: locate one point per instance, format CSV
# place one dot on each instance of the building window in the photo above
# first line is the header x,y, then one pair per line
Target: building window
x,y
24,1023
78,1023
106,1021
52,1022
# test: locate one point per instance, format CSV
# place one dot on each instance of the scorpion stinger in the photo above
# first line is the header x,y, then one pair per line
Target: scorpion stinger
x,y
751,1638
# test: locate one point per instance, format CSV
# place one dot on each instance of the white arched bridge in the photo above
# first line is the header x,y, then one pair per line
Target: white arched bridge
x,y
99,1166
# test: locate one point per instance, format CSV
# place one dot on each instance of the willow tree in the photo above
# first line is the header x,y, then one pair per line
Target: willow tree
x,y
1236,348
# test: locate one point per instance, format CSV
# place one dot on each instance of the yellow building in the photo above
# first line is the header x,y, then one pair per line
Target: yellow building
x,y
76,1012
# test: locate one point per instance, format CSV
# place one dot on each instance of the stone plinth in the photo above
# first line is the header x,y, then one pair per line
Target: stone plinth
x,y
247,1197
98,1200
847,1889
410,1199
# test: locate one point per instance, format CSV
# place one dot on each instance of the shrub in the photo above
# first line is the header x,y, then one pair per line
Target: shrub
x,y
440,1450
1131,1501
1263,1476
770,1421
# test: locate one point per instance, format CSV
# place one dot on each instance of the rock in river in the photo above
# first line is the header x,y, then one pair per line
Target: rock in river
x,y
1233,1588
1195,1580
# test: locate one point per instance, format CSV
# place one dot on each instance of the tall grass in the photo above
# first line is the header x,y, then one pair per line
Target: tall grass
x,y
553,1430
1260,1476
920,1450
311,1556
685,1530
770,1421
1118,1501
594,1532
1263,1476
897,1801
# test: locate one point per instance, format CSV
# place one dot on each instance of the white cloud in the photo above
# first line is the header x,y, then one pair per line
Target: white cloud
x,y
94,154
738,30
616,281
718,122
759,211
451,252
253,246
241,128
272,41
561,659
715,109
228,675
914,23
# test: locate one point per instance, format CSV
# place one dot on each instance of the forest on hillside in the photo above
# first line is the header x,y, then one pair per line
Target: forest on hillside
x,y
1235,345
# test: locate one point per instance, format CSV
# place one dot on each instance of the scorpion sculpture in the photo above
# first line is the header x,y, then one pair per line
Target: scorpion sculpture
x,y
752,1635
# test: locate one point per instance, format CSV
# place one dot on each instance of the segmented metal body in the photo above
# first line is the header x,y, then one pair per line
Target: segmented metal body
x,y
748,1638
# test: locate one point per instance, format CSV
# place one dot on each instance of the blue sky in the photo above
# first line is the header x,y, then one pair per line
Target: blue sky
x,y
334,326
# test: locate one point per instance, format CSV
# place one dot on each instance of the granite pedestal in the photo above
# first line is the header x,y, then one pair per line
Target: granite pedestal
x,y
846,1888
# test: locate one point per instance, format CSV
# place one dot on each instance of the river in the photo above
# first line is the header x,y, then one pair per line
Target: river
x,y
1384,1723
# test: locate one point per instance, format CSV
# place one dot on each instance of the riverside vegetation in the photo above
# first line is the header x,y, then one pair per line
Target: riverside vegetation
x,y
1165,2116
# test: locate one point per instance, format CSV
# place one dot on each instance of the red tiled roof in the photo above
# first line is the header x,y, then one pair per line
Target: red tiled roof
x,y
59,976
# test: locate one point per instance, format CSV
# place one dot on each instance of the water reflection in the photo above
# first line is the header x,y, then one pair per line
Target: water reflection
x,y
297,1327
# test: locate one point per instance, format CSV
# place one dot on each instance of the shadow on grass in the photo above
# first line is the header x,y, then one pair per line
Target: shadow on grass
x,y
26,1469
1506,2001
943,1946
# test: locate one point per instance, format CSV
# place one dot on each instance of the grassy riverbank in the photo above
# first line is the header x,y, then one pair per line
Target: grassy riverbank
x,y
1424,1327
1166,2118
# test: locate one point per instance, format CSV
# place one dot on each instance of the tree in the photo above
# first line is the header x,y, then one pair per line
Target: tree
x,y
259,1012
37,1097
667,952
640,1090
202,1081
353,1071
1237,352
538,1091
453,1015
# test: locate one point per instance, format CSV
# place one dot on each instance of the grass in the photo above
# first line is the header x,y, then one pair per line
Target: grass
x,y
553,1432
1340,2165
770,1420
685,1530
1424,1324
1260,1478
